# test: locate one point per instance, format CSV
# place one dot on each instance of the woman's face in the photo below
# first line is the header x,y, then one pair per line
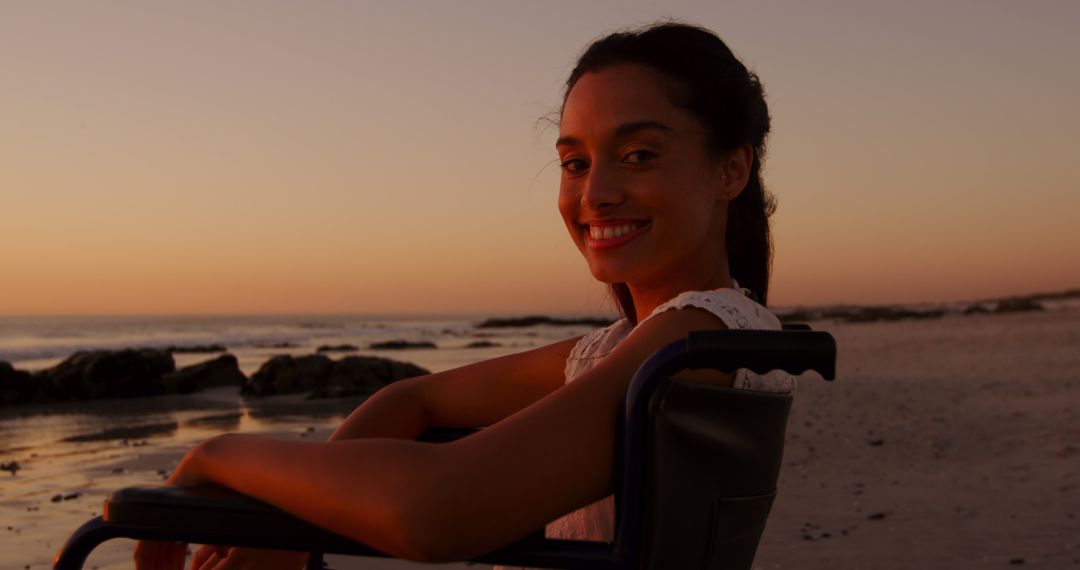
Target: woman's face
x,y
641,194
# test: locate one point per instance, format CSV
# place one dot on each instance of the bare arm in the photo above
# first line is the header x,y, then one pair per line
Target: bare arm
x,y
477,395
451,501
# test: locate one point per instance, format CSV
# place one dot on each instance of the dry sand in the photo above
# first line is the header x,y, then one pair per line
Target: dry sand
x,y
944,444
951,443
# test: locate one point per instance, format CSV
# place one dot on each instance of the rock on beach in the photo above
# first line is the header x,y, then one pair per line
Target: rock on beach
x,y
320,377
401,345
221,371
88,375
16,386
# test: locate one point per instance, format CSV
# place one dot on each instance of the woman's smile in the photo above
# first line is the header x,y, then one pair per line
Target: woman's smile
x,y
608,234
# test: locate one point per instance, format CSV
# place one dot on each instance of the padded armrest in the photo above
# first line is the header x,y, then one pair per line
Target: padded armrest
x,y
213,515
219,516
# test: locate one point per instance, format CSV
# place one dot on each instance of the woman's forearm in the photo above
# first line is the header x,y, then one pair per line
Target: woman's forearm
x,y
367,489
395,412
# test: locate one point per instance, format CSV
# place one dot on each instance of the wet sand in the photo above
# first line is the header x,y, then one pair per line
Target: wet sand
x,y
950,443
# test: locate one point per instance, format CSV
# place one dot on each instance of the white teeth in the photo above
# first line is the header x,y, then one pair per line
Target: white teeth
x,y
610,232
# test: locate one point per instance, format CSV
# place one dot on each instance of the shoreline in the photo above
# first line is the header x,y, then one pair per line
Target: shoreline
x,y
946,443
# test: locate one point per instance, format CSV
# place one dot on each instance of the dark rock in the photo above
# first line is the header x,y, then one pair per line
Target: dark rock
x,y
401,345
874,314
284,344
804,314
1016,561
534,320
482,344
13,467
976,309
876,516
57,498
1018,305
364,375
88,375
196,349
877,442
221,371
17,386
321,377
289,375
338,348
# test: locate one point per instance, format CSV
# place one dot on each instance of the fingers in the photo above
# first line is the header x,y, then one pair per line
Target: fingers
x,y
226,558
215,560
159,555
201,556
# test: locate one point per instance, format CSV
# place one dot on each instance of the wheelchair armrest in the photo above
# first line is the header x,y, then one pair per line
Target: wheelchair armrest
x,y
214,515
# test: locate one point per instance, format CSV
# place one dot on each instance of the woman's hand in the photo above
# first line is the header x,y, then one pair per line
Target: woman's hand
x,y
167,555
234,558
160,555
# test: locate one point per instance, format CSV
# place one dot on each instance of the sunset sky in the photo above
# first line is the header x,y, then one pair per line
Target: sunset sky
x,y
390,157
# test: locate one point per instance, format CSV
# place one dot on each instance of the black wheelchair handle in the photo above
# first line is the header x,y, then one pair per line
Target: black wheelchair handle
x,y
794,351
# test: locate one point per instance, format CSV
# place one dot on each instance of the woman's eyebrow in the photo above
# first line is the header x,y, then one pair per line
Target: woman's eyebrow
x,y
622,131
627,129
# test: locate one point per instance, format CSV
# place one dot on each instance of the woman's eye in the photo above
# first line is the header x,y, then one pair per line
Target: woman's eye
x,y
574,165
639,157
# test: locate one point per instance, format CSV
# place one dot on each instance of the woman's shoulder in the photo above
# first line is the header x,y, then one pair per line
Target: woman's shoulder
x,y
737,311
732,306
601,340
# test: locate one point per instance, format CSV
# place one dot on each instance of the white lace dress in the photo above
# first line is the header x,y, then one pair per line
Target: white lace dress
x,y
737,311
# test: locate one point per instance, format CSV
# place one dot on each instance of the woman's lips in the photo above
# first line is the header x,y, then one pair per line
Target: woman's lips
x,y
613,235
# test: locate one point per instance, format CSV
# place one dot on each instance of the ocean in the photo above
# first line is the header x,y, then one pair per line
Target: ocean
x,y
35,343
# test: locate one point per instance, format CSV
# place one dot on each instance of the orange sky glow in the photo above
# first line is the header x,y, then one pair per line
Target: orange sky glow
x,y
356,157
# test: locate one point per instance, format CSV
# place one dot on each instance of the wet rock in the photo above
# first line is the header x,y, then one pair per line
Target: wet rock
x,y
1018,305
534,320
401,345
877,442
17,386
288,375
197,349
1016,561
338,348
976,309
284,344
13,467
221,371
482,344
363,376
874,314
88,375
321,377
876,516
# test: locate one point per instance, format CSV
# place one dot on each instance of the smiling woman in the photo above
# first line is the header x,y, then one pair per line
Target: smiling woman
x,y
661,136
693,118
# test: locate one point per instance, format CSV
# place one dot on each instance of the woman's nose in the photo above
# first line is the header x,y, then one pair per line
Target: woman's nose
x,y
602,189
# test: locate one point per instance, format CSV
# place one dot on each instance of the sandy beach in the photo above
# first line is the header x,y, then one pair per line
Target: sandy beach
x,y
945,443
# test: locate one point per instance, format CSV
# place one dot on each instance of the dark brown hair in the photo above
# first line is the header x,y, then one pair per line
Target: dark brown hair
x,y
713,85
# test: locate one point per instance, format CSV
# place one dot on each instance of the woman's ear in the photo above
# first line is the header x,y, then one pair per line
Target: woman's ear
x,y
735,171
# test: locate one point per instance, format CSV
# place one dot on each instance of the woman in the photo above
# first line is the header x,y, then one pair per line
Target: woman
x,y
661,138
